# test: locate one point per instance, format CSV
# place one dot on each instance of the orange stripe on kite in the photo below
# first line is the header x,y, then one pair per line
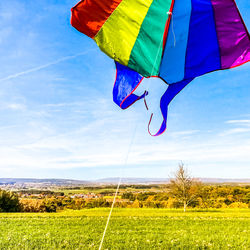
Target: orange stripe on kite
x,y
89,16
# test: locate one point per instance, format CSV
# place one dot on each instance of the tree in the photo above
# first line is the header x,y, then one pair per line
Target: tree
x,y
9,202
183,187
129,196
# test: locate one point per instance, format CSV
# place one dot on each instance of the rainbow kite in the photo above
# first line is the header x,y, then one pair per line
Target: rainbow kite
x,y
175,40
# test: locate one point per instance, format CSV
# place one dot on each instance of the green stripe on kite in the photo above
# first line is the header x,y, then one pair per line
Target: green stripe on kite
x,y
146,54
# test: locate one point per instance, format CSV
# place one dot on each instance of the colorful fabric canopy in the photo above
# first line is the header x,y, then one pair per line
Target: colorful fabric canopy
x,y
175,40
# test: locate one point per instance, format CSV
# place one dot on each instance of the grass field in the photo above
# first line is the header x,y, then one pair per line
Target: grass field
x,y
128,229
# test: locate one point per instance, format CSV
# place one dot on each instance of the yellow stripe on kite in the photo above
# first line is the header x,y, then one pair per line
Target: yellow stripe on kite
x,y
118,34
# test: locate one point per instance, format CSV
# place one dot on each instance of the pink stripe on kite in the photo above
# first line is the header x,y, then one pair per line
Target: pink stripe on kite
x,y
233,37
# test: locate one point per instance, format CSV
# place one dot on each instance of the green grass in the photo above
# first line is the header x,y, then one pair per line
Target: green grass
x,y
128,229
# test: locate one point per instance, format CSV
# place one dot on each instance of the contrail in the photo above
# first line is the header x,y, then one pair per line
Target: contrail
x,y
62,59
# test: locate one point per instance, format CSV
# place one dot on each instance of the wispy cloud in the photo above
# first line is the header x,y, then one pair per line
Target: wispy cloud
x,y
16,106
242,126
235,131
7,127
62,59
242,122
79,150
184,133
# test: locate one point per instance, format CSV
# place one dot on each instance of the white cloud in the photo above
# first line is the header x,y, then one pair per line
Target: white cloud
x,y
185,133
89,146
242,126
16,106
242,122
235,131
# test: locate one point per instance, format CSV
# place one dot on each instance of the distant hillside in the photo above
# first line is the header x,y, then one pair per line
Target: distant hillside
x,y
166,180
221,180
65,182
41,181
133,180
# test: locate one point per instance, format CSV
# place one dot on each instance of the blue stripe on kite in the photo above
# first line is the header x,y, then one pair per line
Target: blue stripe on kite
x,y
173,62
126,82
203,54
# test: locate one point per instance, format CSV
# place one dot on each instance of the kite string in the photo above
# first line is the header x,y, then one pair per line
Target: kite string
x,y
132,140
117,188
110,212
172,26
170,14
149,82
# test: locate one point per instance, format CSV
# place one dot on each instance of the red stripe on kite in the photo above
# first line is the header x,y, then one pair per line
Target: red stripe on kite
x,y
89,16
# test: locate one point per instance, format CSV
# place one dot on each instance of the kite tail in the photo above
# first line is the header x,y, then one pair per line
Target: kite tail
x,y
126,83
166,98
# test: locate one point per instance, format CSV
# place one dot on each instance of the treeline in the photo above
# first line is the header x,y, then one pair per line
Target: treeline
x,y
204,197
42,192
56,204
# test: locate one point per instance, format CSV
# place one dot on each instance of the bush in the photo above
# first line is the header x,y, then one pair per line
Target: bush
x,y
238,205
128,196
50,205
9,202
32,205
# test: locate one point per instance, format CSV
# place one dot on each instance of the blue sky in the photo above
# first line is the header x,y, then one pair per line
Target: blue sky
x,y
57,117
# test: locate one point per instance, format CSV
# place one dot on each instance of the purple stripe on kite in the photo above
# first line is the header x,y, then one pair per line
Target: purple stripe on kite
x,y
232,34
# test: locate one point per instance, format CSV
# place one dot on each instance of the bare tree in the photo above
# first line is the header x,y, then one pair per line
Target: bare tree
x,y
183,187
